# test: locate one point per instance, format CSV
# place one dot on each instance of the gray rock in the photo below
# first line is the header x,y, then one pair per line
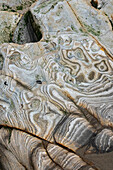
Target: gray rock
x,y
8,23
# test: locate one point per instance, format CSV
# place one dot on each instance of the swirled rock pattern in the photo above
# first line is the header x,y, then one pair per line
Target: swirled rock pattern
x,y
56,95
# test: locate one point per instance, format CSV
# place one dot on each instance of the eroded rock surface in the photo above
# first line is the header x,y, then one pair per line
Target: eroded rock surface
x,y
14,6
8,23
56,95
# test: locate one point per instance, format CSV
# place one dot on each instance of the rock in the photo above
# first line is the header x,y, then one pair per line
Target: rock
x,y
104,141
35,156
83,18
25,31
56,94
75,132
14,6
54,18
107,8
8,22
95,22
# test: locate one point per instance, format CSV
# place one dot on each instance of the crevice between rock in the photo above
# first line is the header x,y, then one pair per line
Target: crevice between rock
x,y
27,31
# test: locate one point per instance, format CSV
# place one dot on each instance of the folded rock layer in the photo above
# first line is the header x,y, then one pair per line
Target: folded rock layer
x,y
56,95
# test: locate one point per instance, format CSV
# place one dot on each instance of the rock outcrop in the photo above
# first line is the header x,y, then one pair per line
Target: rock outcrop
x,y
56,86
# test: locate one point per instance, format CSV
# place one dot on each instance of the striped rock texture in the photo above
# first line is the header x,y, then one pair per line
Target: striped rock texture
x,y
56,95
104,141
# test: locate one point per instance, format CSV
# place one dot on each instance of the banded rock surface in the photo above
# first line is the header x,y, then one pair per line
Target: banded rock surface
x,y
36,155
104,141
56,95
